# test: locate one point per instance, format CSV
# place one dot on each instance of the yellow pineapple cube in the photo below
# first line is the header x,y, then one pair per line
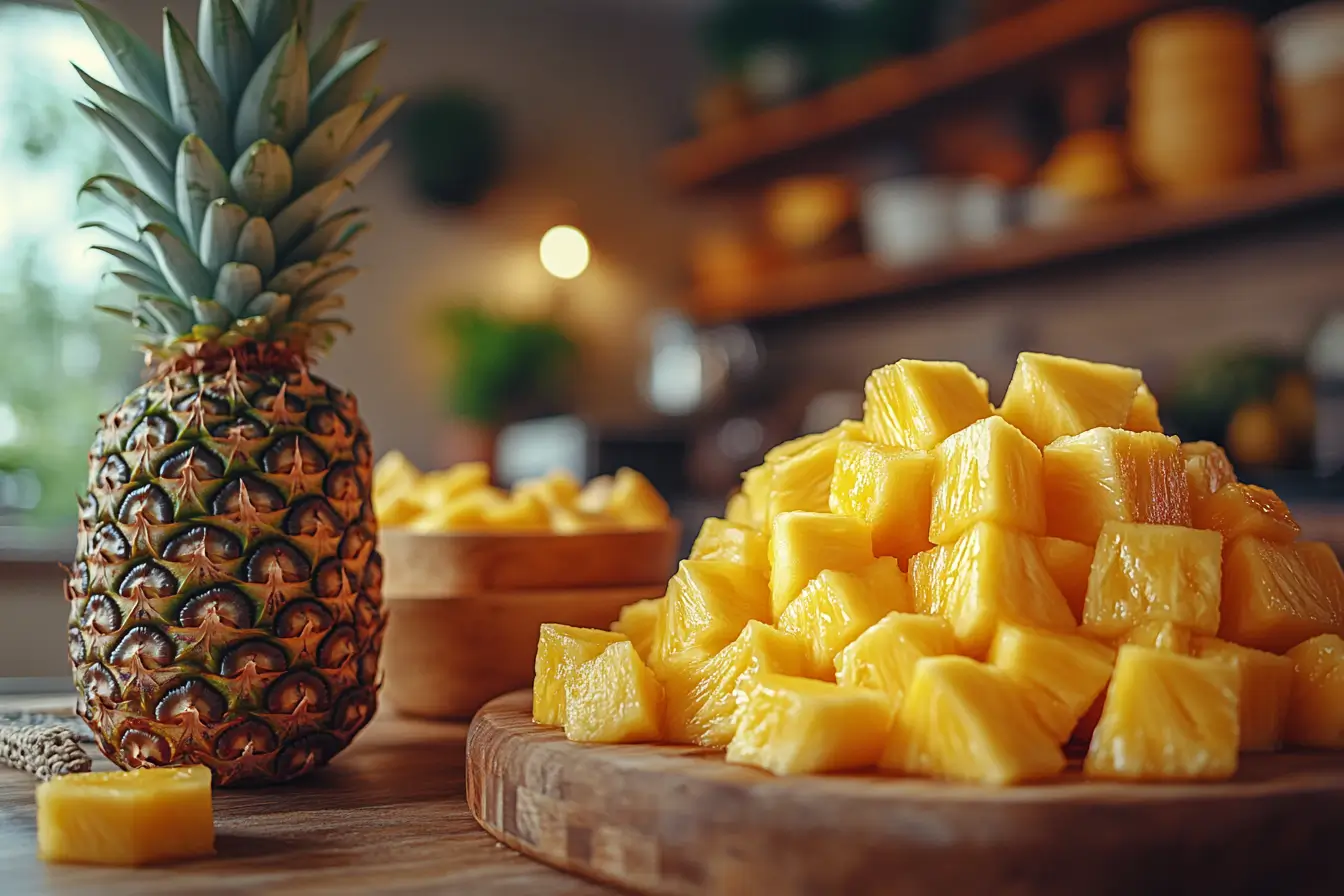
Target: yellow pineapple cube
x,y
639,622
1238,509
738,510
1278,595
399,510
988,472
793,726
443,487
518,511
1167,716
1143,412
832,610
1050,396
883,657
971,722
917,404
1060,674
803,481
756,494
140,817
558,488
988,576
891,490
560,650
889,584
465,512
1144,573
708,604
1159,635
734,542
613,698
802,544
635,502
1069,564
705,694
1316,710
396,483
1113,474
1266,687
846,430
1207,468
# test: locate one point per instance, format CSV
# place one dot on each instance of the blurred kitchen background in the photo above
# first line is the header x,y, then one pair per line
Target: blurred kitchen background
x,y
672,233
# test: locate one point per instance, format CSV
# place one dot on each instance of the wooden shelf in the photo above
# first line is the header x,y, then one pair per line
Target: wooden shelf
x,y
898,86
1133,223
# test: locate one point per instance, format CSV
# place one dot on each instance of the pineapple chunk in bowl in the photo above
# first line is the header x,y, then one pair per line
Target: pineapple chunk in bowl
x,y
471,573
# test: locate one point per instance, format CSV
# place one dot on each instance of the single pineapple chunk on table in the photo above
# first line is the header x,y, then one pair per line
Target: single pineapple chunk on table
x,y
1049,396
988,576
1112,474
560,650
613,698
890,489
802,544
883,657
1278,595
635,502
1069,564
1266,686
802,480
734,542
834,609
639,622
1207,468
1167,716
1161,635
917,404
705,694
971,722
1143,412
793,726
988,472
1238,509
708,603
1316,708
753,497
1145,573
140,817
1060,674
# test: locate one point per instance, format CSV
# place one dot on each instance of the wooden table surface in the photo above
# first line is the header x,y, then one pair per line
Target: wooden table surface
x,y
388,816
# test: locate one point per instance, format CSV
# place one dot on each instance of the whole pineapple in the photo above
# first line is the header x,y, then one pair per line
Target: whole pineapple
x,y
225,601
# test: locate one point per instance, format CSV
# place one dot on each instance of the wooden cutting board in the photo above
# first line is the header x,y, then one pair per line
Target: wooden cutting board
x,y
680,820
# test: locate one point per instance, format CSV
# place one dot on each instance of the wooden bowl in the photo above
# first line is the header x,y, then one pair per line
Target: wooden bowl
x,y
465,608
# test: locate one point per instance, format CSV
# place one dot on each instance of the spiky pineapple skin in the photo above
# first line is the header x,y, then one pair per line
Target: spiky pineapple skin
x,y
225,602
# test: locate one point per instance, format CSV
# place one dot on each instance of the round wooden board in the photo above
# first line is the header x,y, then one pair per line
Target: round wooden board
x,y
680,820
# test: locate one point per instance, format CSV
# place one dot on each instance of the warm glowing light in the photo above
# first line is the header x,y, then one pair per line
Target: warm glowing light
x,y
564,252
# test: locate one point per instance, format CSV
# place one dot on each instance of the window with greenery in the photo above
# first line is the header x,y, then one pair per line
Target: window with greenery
x,y
61,362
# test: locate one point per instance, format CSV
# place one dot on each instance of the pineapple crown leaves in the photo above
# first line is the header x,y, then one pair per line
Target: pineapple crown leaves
x,y
236,148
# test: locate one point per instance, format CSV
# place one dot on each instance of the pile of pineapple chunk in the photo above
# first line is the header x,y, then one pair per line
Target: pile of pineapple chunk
x,y
952,590
461,498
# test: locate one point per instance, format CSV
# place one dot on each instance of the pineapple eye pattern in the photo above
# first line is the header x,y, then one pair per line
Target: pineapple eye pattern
x,y
373,576
279,561
78,650
338,647
261,655
353,711
153,432
290,453
100,687
211,403
311,516
367,612
309,751
147,503
356,541
363,451
151,646
101,614
326,422
294,690
148,579
239,428
249,736
191,696
213,544
114,473
88,509
343,483
145,748
264,497
201,462
265,401
111,545
222,604
301,616
368,668
329,578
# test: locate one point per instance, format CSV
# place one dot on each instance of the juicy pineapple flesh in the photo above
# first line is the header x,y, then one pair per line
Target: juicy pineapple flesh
x,y
947,592
140,817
